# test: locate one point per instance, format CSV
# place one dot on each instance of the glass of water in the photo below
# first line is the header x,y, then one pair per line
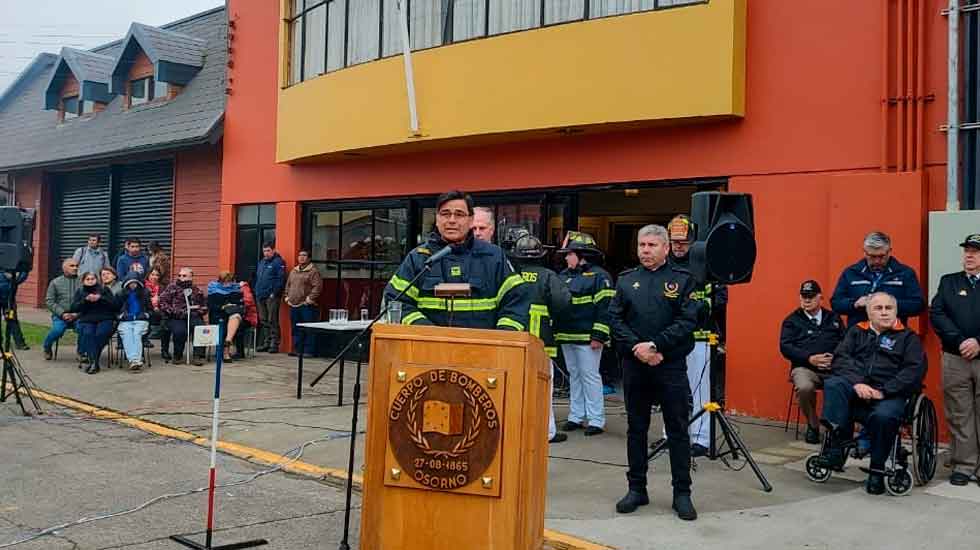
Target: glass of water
x,y
395,313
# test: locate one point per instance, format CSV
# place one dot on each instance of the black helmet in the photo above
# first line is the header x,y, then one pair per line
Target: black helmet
x,y
527,247
580,243
510,234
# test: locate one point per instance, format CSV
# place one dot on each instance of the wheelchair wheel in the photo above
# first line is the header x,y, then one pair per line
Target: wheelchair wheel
x,y
815,471
925,441
899,483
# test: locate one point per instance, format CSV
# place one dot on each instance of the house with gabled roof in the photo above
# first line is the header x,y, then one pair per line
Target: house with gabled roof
x,y
123,140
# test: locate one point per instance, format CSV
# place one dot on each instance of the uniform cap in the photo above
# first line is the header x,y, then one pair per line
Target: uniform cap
x,y
972,241
809,288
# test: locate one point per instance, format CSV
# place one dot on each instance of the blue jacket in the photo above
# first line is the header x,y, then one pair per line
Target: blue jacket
x,y
124,261
499,298
588,318
270,277
858,280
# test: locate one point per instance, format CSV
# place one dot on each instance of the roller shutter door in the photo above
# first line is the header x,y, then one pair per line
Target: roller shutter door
x,y
145,203
82,207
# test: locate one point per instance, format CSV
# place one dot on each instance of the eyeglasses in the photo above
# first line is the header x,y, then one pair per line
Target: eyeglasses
x,y
448,214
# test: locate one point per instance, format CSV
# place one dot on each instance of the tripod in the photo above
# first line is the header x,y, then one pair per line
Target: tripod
x,y
12,369
733,444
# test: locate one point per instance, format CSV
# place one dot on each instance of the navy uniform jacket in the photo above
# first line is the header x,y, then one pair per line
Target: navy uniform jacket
x,y
655,306
588,317
711,297
955,311
799,338
549,298
858,280
498,298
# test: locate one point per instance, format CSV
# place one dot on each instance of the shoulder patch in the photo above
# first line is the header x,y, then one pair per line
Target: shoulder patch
x,y
588,274
423,250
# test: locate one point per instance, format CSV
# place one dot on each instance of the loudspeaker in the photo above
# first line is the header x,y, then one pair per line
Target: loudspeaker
x,y
16,239
724,250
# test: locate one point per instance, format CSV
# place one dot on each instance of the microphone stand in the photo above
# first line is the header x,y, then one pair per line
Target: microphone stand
x,y
344,543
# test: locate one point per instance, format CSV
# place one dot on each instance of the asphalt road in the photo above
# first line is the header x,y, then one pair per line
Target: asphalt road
x,y
63,468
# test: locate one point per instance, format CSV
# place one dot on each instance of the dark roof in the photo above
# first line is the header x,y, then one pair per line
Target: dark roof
x,y
177,57
89,68
41,63
31,136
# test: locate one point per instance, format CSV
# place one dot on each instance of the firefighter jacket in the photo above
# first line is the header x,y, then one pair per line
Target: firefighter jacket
x,y
892,362
549,298
588,317
498,298
711,298
655,305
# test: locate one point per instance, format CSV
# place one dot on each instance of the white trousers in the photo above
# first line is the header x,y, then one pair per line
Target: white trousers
x,y
699,380
585,401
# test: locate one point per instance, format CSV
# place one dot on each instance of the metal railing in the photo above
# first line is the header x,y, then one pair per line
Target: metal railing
x,y
446,12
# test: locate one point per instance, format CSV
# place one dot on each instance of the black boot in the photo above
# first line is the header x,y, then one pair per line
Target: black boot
x,y
684,507
633,500
22,345
92,368
875,485
166,356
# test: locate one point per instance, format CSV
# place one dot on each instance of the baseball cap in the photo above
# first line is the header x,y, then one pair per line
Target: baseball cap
x,y
809,288
973,241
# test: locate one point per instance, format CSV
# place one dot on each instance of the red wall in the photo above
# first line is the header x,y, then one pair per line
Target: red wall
x,y
197,202
31,194
809,148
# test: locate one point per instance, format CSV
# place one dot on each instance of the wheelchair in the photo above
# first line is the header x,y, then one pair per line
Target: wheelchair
x,y
908,464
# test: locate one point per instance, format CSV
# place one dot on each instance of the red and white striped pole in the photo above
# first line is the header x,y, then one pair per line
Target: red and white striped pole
x,y
219,360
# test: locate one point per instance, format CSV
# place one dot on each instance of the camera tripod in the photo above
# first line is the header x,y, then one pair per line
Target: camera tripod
x,y
733,446
12,369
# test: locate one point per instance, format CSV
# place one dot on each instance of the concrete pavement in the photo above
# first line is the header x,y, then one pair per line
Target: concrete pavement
x,y
586,475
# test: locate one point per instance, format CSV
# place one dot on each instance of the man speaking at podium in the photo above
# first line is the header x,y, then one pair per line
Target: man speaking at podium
x,y
653,319
496,297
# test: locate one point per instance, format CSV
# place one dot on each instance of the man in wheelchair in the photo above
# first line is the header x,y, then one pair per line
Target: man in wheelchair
x,y
878,366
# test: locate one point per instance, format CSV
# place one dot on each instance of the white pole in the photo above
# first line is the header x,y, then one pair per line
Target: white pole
x,y
409,71
953,110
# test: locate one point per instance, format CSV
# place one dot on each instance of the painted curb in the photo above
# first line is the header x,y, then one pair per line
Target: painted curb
x,y
554,540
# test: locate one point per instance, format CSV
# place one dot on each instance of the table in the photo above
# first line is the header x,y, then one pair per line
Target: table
x,y
349,329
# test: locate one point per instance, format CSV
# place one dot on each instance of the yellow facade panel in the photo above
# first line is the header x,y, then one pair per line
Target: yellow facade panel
x,y
639,69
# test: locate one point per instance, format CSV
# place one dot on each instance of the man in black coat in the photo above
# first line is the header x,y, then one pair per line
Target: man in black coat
x,y
808,339
653,318
955,316
876,368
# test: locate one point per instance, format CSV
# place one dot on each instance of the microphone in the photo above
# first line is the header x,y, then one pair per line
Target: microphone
x,y
439,255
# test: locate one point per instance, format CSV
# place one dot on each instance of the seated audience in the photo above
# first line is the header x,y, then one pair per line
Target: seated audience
x,y
134,318
226,303
154,286
96,309
174,305
877,367
110,280
61,292
807,340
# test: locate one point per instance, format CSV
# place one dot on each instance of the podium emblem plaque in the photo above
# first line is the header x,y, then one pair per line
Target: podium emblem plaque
x,y
445,429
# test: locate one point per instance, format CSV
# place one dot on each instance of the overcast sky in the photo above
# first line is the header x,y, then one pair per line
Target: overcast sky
x,y
29,27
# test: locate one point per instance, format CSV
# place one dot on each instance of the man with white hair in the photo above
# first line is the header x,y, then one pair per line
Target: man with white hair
x,y
653,319
483,228
877,367
878,271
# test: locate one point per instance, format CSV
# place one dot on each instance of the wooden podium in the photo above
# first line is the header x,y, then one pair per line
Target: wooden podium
x,y
457,440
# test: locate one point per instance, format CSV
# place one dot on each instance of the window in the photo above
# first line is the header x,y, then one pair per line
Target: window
x,y
145,90
256,226
160,90
70,107
357,251
139,91
327,35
